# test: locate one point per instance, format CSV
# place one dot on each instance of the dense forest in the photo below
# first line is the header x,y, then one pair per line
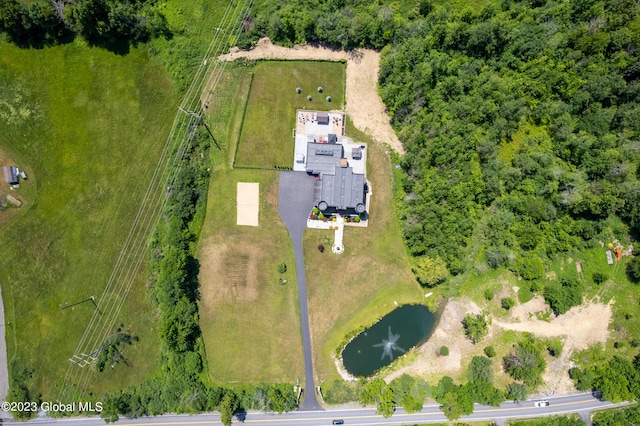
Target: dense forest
x,y
520,121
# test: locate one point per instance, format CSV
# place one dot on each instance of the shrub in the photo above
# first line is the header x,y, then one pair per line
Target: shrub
x,y
516,391
507,303
488,294
475,327
633,269
554,347
444,351
524,294
531,268
282,268
599,277
525,363
480,369
429,271
490,351
562,297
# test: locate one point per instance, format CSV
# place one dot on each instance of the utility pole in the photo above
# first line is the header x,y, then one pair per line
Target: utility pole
x,y
199,120
91,299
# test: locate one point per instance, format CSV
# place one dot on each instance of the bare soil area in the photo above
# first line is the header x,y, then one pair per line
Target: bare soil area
x,y
579,328
363,103
448,333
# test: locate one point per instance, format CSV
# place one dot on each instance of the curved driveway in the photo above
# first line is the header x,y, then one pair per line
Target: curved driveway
x,y
295,201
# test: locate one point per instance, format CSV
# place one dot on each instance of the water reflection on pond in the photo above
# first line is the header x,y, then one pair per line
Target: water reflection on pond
x,y
389,338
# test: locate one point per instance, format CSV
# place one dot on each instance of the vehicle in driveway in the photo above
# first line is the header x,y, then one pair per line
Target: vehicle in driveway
x,y
338,422
541,403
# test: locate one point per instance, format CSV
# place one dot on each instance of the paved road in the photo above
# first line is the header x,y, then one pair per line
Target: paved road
x,y
295,201
581,403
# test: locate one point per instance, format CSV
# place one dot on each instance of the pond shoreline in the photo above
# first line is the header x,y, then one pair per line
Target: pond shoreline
x,y
339,359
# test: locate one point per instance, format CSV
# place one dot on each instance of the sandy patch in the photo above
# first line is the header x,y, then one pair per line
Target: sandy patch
x,y
248,203
449,333
578,329
582,325
363,103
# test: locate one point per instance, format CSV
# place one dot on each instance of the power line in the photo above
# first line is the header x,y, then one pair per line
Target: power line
x,y
131,256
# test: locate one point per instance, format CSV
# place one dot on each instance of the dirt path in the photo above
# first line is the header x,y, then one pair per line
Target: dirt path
x,y
363,103
579,328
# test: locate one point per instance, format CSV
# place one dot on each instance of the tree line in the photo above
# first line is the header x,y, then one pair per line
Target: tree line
x,y
183,384
524,364
114,24
339,23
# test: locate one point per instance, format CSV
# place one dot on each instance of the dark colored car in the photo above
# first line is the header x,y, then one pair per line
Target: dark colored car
x,y
338,422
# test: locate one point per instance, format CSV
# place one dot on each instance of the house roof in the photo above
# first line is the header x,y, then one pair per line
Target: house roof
x,y
323,157
342,189
322,117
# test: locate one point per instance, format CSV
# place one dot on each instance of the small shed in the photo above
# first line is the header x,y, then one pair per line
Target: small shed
x,y
323,118
10,174
333,138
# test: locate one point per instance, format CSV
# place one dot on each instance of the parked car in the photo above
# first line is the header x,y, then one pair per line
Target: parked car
x,y
541,403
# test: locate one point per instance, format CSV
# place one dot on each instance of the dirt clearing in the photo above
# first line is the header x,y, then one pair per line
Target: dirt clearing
x,y
579,328
363,103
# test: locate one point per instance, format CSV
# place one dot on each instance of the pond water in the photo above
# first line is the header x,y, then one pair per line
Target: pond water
x,y
389,338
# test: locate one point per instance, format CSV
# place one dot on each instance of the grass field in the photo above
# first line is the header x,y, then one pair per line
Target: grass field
x,y
360,286
264,343
250,322
90,125
266,138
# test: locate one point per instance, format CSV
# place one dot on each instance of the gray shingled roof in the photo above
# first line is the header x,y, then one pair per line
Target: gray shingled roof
x,y
323,157
343,189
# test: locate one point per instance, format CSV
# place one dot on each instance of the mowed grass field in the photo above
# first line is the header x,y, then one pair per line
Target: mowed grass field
x,y
249,321
362,285
266,139
90,125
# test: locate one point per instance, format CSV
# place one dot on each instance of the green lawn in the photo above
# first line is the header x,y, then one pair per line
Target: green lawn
x,y
266,138
90,125
250,323
360,286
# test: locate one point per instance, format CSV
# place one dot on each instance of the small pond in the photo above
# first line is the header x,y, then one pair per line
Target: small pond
x,y
389,338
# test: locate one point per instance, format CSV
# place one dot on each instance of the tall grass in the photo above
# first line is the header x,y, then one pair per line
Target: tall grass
x,y
92,137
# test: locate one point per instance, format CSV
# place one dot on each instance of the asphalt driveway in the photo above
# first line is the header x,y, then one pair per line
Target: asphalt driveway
x,y
295,201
